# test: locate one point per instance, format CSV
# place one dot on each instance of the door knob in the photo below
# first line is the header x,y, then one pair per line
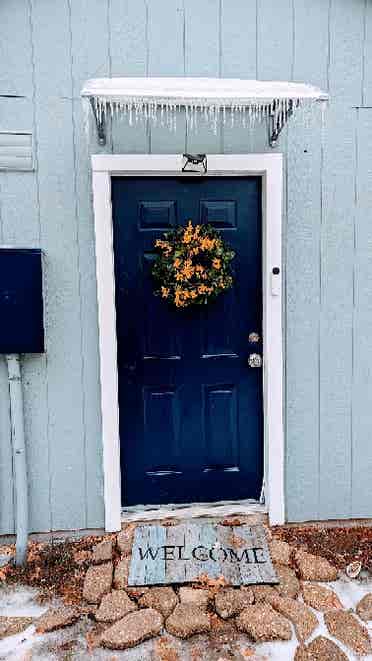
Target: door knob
x,y
254,360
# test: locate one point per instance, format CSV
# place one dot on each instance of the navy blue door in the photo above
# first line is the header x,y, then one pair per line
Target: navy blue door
x,y
191,418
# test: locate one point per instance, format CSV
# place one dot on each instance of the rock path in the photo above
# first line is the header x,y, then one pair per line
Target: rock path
x,y
125,617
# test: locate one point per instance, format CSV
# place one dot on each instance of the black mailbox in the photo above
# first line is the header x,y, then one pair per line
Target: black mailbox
x,y
21,301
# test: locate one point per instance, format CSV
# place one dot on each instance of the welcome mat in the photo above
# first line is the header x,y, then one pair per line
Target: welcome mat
x,y
189,552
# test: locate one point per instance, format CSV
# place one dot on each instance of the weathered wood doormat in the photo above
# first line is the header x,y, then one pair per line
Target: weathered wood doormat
x,y
189,552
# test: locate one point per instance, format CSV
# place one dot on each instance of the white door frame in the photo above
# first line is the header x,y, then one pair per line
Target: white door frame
x,y
269,167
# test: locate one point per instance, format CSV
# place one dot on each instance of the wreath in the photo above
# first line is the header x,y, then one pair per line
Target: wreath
x,y
192,266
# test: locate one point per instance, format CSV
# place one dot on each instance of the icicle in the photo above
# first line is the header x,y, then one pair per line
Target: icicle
x,y
244,117
174,122
86,116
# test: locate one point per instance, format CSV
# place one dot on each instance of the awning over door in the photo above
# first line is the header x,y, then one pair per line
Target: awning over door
x,y
160,99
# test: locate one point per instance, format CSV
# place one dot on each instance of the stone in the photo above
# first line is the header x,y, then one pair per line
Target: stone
x,y
230,602
289,585
280,552
121,574
102,552
165,650
10,626
314,568
136,592
302,654
319,597
195,596
262,623
133,629
56,618
88,610
163,599
114,606
97,582
364,608
344,626
320,649
125,539
304,620
323,649
263,593
187,620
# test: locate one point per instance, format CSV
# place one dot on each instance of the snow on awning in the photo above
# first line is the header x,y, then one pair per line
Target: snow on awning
x,y
160,99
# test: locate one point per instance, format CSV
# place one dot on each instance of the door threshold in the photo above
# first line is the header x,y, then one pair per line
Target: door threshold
x,y
192,510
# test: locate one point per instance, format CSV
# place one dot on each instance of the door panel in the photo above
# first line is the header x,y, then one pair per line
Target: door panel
x,y
191,425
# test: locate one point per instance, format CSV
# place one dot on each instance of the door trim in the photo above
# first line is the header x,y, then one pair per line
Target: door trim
x,y
270,168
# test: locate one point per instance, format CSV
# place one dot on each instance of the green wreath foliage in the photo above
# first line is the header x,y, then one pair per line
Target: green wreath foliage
x,y
193,265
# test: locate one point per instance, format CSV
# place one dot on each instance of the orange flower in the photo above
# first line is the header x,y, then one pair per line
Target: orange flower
x,y
177,262
188,233
180,297
196,232
216,263
165,292
207,244
188,269
164,245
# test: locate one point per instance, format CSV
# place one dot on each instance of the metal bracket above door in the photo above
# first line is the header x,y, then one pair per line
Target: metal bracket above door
x,y
100,121
278,120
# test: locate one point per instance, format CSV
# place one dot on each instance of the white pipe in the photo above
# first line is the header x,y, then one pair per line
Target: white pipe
x,y
19,455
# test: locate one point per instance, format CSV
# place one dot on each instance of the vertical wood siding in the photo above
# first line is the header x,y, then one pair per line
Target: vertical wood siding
x,y
47,51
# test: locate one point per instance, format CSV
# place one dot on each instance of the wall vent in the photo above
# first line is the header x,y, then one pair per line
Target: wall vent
x,y
16,151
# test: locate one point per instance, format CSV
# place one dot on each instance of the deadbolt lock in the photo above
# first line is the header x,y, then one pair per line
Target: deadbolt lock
x,y
254,360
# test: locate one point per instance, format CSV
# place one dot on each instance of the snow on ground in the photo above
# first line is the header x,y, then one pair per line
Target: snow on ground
x,y
20,601
14,648
350,593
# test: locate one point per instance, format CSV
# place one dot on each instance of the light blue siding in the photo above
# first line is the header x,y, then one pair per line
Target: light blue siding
x,y
128,22
303,259
90,51
361,455
338,257
202,35
57,203
169,55
47,50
